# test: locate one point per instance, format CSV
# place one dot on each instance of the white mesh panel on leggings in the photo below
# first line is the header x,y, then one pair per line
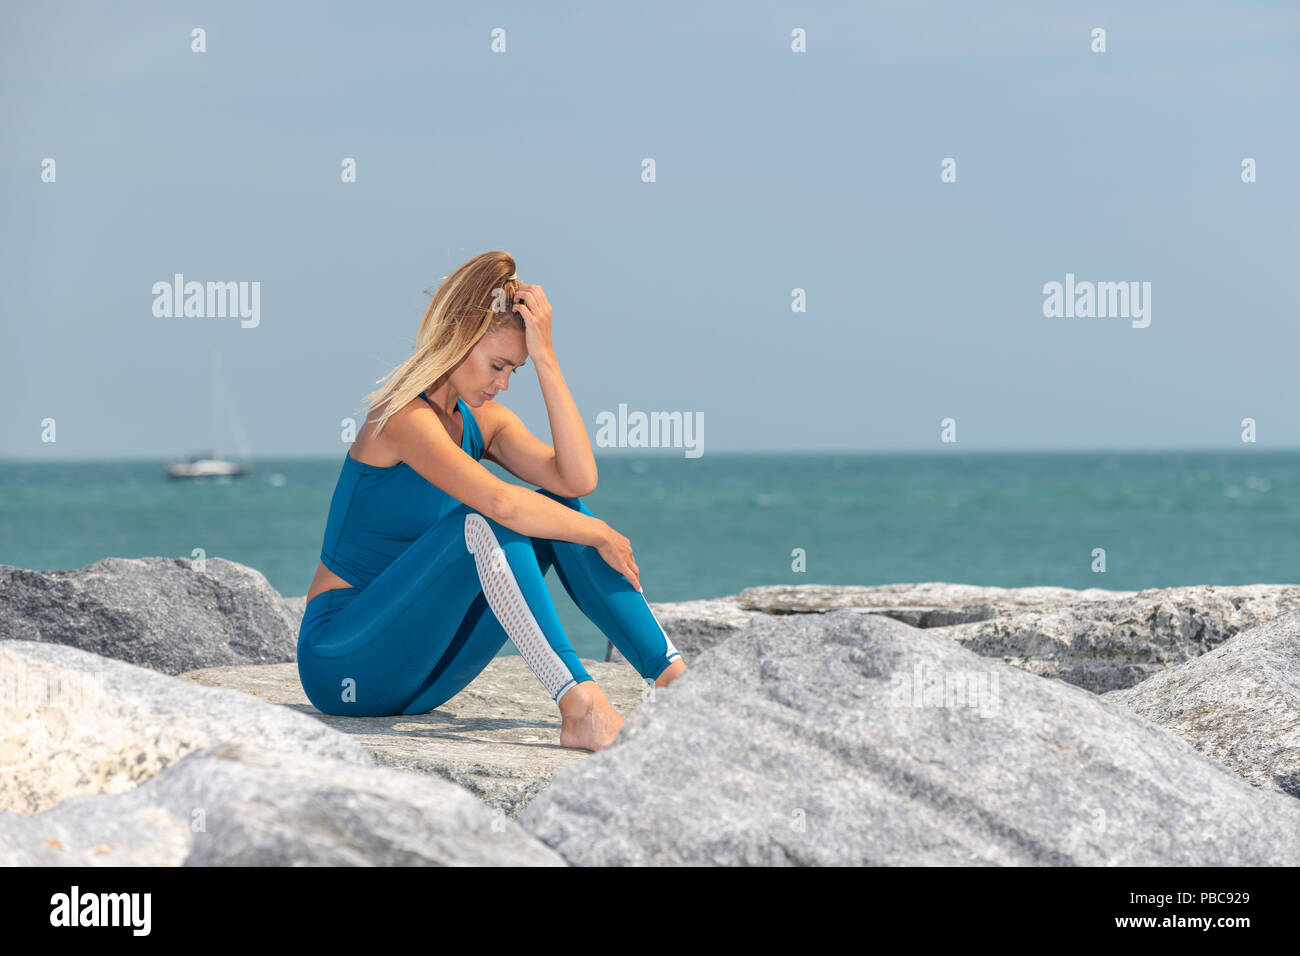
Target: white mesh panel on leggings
x,y
672,652
508,604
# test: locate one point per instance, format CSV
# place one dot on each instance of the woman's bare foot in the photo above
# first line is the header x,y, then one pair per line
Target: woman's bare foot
x,y
589,720
670,673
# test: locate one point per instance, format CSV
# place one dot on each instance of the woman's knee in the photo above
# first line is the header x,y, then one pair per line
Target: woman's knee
x,y
508,539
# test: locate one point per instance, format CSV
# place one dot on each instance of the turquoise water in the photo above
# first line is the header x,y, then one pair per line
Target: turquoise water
x,y
713,525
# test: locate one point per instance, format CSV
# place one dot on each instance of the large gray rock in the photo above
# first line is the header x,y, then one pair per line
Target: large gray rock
x,y
241,805
1096,639
1108,645
928,604
695,626
1239,703
72,722
846,738
295,607
499,738
160,613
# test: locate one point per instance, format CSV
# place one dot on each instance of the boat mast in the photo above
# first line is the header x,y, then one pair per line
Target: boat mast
x,y
217,402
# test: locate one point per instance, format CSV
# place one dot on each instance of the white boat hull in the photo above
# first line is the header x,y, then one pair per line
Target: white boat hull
x,y
206,468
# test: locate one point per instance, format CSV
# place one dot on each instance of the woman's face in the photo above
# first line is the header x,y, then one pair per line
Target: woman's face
x,y
487,368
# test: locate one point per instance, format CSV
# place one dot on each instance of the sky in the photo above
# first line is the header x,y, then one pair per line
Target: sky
x,y
774,171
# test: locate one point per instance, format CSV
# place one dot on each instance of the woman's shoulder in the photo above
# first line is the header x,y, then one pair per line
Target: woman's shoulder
x,y
371,450
377,411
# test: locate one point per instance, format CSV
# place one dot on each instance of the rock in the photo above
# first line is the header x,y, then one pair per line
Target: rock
x,y
160,613
819,740
98,830
499,738
241,805
1096,639
295,607
930,604
72,722
1239,703
1108,645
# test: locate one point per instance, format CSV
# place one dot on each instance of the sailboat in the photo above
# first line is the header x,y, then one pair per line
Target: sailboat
x,y
210,464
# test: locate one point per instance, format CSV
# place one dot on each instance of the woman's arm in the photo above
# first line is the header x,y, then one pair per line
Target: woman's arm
x,y
573,457
419,439
416,436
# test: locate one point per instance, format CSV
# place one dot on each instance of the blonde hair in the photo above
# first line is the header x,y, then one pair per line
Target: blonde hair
x,y
471,302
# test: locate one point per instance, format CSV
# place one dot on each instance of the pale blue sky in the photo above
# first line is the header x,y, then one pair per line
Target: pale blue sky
x,y
775,171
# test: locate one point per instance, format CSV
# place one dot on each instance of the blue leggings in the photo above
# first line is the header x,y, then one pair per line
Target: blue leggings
x,y
433,619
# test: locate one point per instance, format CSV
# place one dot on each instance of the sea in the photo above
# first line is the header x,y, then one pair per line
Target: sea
x,y
713,525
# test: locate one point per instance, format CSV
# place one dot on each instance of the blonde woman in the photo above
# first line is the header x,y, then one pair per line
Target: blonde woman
x,y
430,562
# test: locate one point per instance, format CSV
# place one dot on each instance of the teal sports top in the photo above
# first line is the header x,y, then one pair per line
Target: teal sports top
x,y
378,512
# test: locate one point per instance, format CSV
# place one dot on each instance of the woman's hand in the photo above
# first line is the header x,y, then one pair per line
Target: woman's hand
x,y
617,552
530,302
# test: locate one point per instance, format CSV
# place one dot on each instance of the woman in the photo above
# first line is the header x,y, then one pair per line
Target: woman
x,y
430,562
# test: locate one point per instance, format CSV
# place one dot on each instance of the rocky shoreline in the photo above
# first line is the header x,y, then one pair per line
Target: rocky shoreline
x,y
152,716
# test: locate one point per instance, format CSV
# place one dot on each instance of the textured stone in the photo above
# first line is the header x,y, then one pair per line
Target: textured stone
x,y
928,604
72,722
1108,645
846,738
791,711
160,613
295,608
1096,639
1239,703
499,738
242,805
